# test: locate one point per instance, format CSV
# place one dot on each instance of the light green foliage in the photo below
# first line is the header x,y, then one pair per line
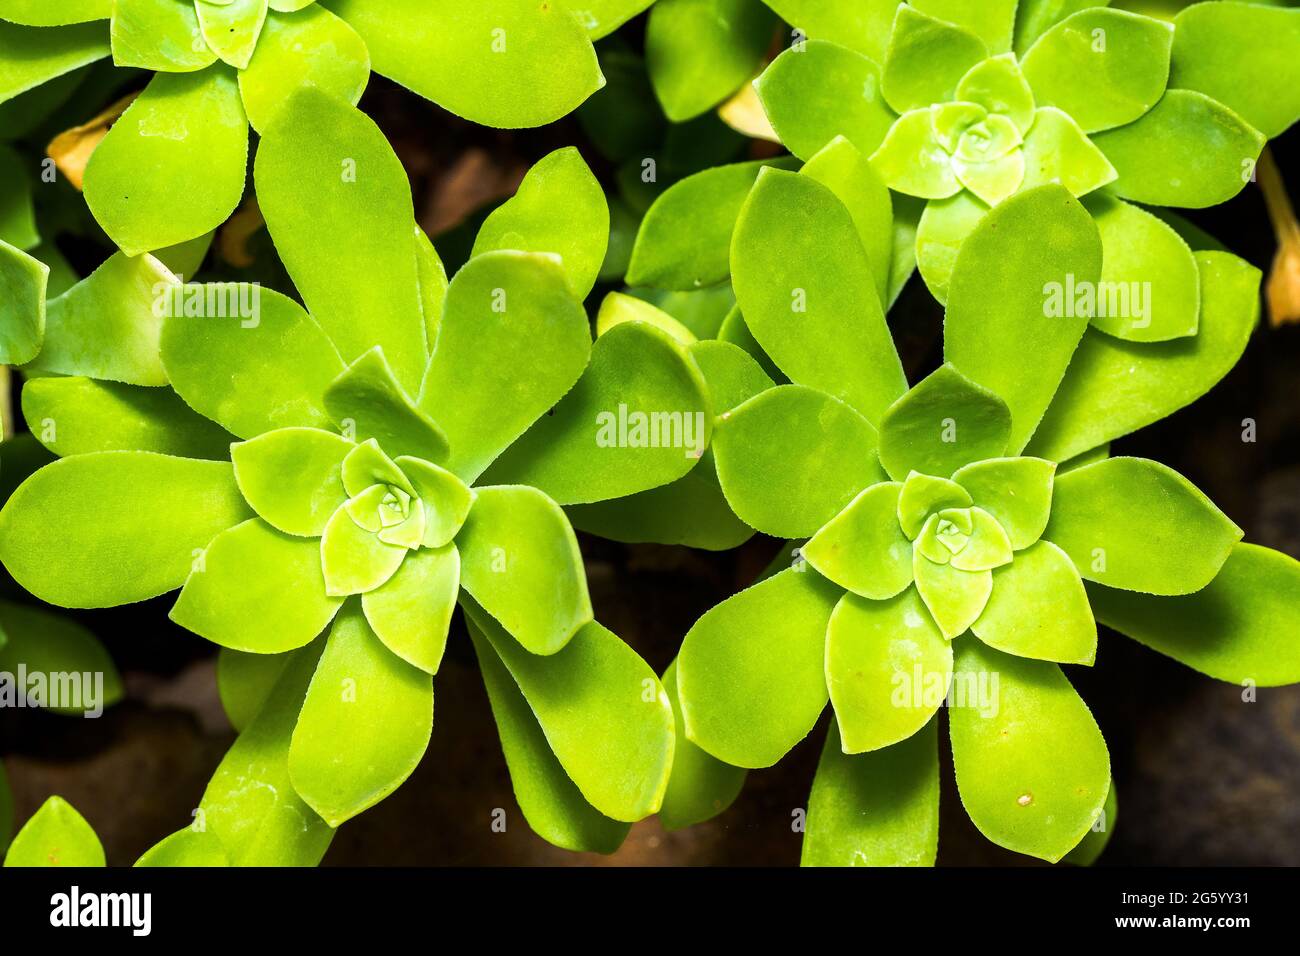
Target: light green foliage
x,y
56,835
23,282
30,56
186,848
701,786
47,643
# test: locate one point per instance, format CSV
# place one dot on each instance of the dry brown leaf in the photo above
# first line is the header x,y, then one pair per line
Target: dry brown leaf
x,y
71,149
1282,290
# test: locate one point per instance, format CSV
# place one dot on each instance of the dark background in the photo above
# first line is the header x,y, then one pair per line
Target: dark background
x,y
1203,778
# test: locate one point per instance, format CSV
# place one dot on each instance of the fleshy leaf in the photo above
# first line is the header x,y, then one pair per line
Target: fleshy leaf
x,y
231,29
1138,525
559,208
1240,627
255,374
1189,150
684,241
1015,491
603,17
751,670
945,421
1087,850
999,322
56,835
23,282
701,786
638,418
367,397
77,415
875,809
994,180
293,477
1114,387
411,611
617,308
887,667
42,13
250,802
993,21
1103,67
863,549
159,35
943,227
1057,151
791,458
823,91
189,131
807,291
324,168
47,643
862,25
105,555
923,494
1148,272
988,547
1243,55
256,589
312,47
520,561
954,597
512,341
604,714
912,159
446,499
1032,767
188,847
512,64
927,57
699,52
433,285
354,559
31,56
551,802
844,170
364,725
998,85
245,682
1039,609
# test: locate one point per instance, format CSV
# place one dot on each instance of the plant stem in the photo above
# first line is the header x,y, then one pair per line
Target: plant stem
x,y
1282,291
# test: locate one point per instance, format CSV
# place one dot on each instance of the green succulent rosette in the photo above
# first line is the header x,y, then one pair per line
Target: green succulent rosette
x,y
945,553
173,166
325,484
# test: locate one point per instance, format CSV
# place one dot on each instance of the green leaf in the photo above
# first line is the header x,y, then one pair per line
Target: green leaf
x,y
520,561
887,667
617,308
927,58
364,726
31,56
76,415
1036,17
988,546
1039,609
513,340
513,64
559,208
912,160
998,322
368,398
603,17
17,210
699,52
250,803
106,326
943,227
445,497
791,458
604,713
1114,387
186,847
955,597
42,13
1135,524
638,418
751,671
189,131
551,802
862,25
96,501
863,549
252,375
53,644
23,282
1057,151
1238,628
56,835
1103,67
313,48
256,589
1189,150
1087,850
923,494
701,786
159,35
998,85
1241,54
875,809
355,559
293,477
1151,272
945,421
245,682
1015,491
733,376
1031,765
411,611
824,90
807,291
685,238
324,169
432,277
844,170
992,20
231,29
